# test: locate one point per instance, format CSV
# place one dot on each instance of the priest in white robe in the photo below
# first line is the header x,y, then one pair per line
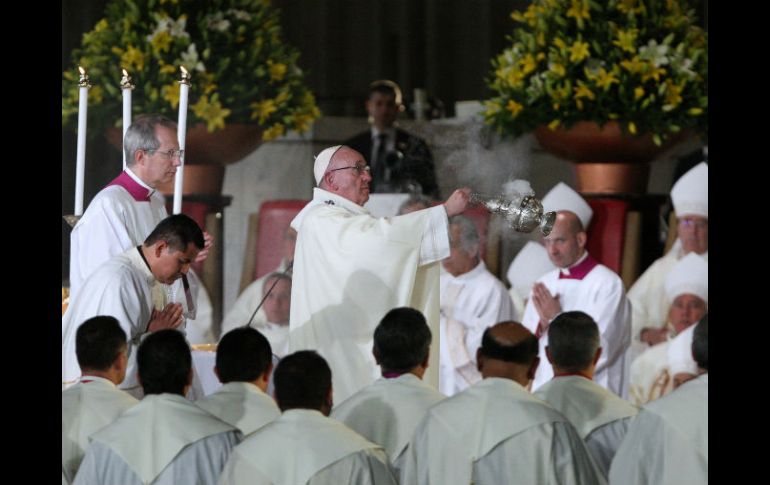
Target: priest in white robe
x,y
648,298
243,309
686,289
496,431
472,299
95,401
165,439
668,441
122,288
681,364
581,283
351,268
304,445
276,307
244,365
124,213
600,417
387,411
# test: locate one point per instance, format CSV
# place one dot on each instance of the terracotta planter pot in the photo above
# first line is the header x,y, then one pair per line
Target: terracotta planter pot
x,y
222,147
606,160
198,179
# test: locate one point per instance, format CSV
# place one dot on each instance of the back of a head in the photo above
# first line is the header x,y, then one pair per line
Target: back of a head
x,y
98,342
700,343
164,362
243,355
573,338
178,231
402,340
469,235
510,347
302,380
141,134
414,203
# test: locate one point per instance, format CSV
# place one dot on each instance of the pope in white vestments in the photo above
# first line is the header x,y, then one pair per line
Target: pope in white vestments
x,y
582,284
497,432
351,268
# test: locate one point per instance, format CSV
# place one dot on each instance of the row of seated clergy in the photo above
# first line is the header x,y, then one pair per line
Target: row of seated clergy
x,y
400,420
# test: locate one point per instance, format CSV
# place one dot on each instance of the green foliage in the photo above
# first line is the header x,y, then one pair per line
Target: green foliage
x,y
644,63
241,71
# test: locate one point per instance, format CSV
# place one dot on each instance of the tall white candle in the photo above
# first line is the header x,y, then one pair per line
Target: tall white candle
x,y
126,87
81,153
184,90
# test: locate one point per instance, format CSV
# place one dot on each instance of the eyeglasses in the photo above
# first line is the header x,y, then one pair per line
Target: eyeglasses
x,y
360,169
697,223
168,153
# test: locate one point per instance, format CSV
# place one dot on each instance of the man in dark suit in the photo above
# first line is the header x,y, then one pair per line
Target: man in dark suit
x,y
400,161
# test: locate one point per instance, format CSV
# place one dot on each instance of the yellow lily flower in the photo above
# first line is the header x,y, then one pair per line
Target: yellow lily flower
x,y
578,51
579,10
273,132
605,79
514,107
626,40
171,94
211,111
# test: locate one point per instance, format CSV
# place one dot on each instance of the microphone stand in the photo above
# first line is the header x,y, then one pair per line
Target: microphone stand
x,y
286,271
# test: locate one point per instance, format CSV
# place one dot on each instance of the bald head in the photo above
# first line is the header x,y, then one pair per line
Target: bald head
x,y
567,240
508,350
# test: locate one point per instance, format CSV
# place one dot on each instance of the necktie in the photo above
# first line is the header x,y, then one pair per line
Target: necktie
x,y
379,167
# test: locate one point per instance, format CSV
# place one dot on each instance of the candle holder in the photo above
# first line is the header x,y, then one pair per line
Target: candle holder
x,y
84,81
185,76
71,219
125,81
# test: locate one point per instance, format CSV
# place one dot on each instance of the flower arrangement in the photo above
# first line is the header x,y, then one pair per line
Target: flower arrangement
x,y
643,63
241,70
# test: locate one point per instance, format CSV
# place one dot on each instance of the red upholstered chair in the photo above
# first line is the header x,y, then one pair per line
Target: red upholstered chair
x,y
606,232
264,252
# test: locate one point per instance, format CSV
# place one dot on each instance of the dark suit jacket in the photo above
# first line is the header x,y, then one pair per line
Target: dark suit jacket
x,y
411,162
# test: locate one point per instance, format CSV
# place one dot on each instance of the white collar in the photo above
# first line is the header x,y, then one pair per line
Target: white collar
x,y
476,271
84,379
582,258
139,181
